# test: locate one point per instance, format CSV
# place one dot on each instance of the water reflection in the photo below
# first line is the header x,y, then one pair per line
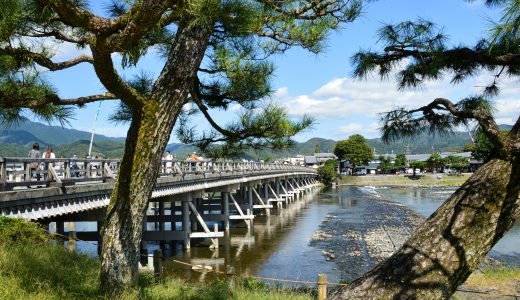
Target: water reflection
x,y
278,246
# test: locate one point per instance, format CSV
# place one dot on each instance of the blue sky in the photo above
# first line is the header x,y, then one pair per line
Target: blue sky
x,y
322,84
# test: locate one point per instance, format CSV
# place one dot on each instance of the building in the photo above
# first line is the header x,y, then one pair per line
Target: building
x,y
318,159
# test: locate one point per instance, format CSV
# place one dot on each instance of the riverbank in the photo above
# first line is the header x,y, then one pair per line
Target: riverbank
x,y
426,180
370,228
33,267
45,271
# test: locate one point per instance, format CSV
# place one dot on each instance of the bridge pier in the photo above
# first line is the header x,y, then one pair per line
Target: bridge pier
x,y
186,228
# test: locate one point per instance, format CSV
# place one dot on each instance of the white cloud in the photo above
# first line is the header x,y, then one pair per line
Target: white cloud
x,y
357,128
235,107
343,97
358,103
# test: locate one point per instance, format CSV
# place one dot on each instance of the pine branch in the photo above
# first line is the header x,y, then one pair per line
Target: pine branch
x,y
107,74
440,115
60,35
314,9
138,21
10,101
75,16
23,56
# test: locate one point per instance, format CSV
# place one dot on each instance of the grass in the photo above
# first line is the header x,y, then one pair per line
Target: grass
x,y
33,268
393,180
504,280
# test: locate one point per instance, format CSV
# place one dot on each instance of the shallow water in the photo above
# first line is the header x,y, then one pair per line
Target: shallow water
x,y
426,201
280,246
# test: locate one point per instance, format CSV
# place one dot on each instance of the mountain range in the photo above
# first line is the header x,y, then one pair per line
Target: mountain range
x,y
17,140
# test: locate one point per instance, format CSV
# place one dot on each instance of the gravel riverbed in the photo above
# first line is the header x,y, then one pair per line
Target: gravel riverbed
x,y
361,235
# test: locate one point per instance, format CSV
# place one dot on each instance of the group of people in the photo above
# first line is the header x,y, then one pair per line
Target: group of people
x,y
168,161
36,166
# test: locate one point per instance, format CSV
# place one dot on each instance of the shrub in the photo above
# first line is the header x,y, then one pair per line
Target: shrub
x,y
19,230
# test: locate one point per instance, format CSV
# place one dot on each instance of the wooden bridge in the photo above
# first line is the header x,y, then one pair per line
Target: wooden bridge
x,y
188,197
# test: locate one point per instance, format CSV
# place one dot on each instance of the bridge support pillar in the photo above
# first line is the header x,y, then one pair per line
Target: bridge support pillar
x,y
72,236
100,238
60,230
186,228
162,243
225,204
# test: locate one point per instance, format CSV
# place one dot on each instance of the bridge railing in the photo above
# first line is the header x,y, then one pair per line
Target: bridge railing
x,y
17,171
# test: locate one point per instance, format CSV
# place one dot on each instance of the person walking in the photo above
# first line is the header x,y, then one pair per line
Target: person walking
x,y
47,154
35,165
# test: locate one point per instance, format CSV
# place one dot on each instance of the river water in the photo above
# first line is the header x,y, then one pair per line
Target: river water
x,y
280,246
426,201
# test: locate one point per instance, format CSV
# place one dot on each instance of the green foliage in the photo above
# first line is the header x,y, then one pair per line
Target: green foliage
x,y
418,165
483,147
328,172
355,149
271,124
400,160
386,165
317,148
456,162
19,230
420,52
435,161
40,270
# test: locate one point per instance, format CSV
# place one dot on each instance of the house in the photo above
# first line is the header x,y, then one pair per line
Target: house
x,y
318,159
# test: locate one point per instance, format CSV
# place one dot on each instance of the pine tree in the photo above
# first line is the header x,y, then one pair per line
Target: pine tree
x,y
215,54
448,246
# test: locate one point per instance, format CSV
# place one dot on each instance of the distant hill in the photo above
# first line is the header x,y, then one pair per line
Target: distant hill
x,y
19,137
22,132
17,141
423,143
505,127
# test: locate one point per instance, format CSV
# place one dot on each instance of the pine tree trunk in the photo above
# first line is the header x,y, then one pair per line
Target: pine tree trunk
x,y
147,138
448,246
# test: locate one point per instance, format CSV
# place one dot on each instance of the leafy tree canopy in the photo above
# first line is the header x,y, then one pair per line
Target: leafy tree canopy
x,y
456,162
328,172
236,68
400,160
355,149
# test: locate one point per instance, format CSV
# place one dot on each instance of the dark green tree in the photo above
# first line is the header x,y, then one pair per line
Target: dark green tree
x,y
483,147
385,164
418,165
215,53
448,246
456,162
435,162
328,172
400,161
355,149
317,149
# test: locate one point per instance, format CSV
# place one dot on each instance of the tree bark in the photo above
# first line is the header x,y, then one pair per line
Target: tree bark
x,y
448,246
147,138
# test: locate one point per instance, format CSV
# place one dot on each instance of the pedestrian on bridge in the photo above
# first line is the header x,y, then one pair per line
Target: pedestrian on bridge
x,y
35,166
47,154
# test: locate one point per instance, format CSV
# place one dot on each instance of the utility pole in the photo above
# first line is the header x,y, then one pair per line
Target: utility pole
x,y
93,130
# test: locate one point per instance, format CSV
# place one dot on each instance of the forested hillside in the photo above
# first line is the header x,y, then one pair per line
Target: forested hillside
x,y
17,141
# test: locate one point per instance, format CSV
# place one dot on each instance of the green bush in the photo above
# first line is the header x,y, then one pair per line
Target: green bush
x,y
327,173
19,230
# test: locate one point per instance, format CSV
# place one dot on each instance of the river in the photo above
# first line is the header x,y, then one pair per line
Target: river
x,y
287,245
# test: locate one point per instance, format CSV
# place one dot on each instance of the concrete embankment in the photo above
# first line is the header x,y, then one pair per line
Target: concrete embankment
x,y
428,180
